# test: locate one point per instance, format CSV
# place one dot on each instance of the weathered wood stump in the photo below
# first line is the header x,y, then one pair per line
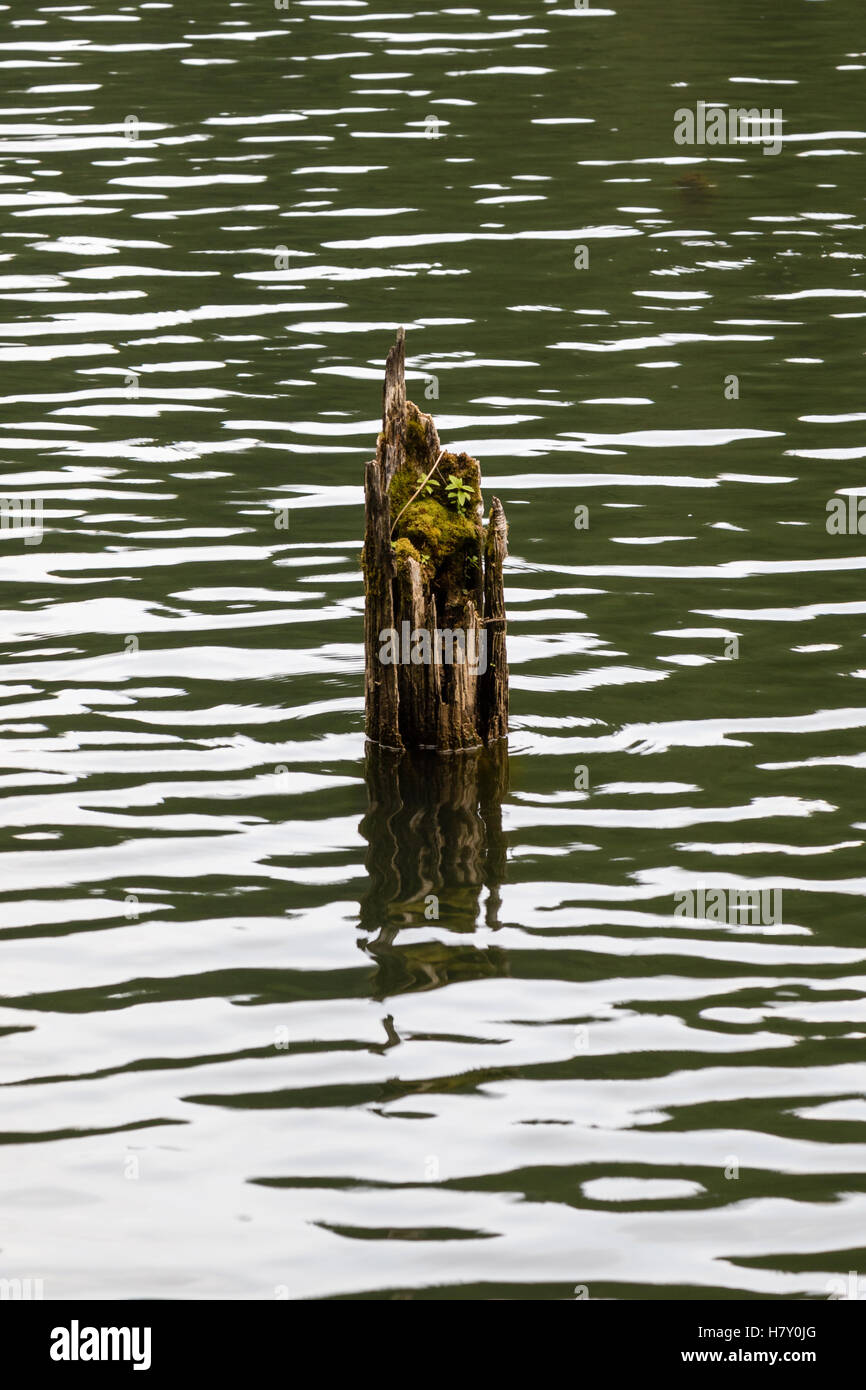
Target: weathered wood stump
x,y
436,674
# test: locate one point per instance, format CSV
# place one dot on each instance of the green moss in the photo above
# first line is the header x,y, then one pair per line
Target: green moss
x,y
437,530
405,550
416,442
403,484
427,523
410,478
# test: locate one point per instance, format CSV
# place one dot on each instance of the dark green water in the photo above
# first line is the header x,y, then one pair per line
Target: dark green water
x,y
237,1059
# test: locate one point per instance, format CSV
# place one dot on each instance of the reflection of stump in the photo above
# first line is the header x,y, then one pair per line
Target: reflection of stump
x,y
434,632
435,841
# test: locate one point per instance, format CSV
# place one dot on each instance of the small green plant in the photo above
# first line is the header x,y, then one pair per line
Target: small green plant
x,y
458,491
428,488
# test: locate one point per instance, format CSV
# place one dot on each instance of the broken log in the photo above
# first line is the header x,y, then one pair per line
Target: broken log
x,y
435,667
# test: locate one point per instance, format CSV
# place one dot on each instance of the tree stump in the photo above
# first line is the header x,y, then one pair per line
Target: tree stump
x,y
436,674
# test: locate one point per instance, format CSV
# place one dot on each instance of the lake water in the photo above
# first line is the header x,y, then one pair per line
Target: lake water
x,y
241,1056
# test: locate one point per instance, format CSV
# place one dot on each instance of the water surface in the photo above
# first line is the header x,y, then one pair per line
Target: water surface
x,y
239,1057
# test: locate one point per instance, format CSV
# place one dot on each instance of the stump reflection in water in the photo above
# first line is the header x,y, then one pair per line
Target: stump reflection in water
x,y
435,859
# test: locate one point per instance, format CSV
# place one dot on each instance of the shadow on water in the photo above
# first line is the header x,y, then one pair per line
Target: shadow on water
x,y
436,853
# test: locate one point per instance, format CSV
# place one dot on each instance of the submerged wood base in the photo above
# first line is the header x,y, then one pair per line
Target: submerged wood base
x,y
436,674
